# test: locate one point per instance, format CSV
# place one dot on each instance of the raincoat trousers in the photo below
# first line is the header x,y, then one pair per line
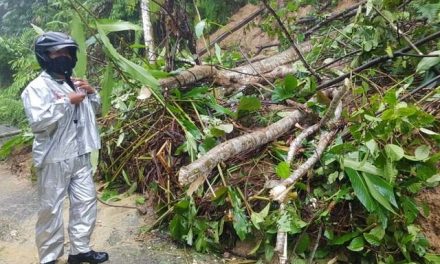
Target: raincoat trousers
x,y
65,134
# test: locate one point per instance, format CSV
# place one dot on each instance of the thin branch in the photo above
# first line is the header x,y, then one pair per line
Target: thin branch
x,y
338,59
312,255
292,42
398,31
433,80
345,13
418,55
377,61
252,66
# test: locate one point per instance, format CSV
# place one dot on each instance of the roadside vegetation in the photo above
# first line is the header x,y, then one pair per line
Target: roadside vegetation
x,y
312,149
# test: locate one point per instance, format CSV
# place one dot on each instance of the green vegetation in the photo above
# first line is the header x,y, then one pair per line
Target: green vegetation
x,y
357,204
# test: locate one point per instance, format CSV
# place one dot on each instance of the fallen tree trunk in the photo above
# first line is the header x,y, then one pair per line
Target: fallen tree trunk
x,y
236,76
187,77
203,166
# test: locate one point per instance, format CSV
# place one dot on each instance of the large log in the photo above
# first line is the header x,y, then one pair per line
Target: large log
x,y
272,67
203,166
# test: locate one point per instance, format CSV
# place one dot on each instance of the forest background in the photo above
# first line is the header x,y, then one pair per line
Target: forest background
x,y
315,141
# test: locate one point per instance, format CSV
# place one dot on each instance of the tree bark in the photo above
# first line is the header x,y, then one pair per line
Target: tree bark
x,y
203,166
189,76
148,31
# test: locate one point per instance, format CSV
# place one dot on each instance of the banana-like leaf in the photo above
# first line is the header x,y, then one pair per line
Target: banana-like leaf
x,y
80,38
106,89
109,25
135,71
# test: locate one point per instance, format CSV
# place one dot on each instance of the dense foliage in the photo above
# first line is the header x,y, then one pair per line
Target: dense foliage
x,y
358,204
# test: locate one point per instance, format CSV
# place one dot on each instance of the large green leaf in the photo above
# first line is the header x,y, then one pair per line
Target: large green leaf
x,y
381,191
80,38
135,71
394,152
429,62
357,244
360,189
106,89
362,166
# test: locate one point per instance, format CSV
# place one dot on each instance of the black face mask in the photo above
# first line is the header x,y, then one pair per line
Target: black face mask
x,y
62,65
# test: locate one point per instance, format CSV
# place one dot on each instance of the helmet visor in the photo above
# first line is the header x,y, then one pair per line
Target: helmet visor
x,y
62,46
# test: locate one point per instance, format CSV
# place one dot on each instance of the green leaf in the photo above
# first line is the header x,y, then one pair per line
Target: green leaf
x,y
258,218
372,147
37,29
240,223
218,53
432,258
108,25
207,144
303,244
381,191
428,62
135,71
106,90
427,131
422,152
362,166
288,90
361,190
357,244
177,228
375,236
434,179
290,83
410,209
344,238
220,193
249,103
199,28
390,171
394,152
283,170
226,128
182,206
389,51
80,38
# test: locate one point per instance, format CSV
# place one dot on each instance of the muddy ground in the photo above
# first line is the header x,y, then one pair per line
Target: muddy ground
x,y
117,230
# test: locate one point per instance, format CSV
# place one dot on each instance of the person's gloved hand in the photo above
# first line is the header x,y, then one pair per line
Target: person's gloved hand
x,y
83,84
76,98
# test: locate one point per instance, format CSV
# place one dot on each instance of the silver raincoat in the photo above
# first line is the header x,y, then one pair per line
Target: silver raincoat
x,y
62,130
65,134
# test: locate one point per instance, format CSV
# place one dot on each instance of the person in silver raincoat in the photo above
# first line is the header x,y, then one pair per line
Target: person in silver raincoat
x,y
61,112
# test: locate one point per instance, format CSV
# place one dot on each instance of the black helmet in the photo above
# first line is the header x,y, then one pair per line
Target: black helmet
x,y
53,41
